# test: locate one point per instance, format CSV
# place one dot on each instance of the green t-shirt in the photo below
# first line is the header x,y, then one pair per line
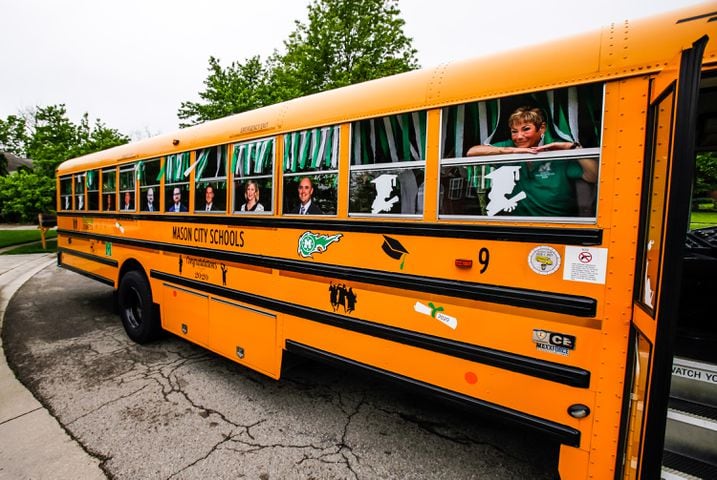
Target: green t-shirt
x,y
549,186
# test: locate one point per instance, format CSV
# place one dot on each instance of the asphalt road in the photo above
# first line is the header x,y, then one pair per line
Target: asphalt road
x,y
172,410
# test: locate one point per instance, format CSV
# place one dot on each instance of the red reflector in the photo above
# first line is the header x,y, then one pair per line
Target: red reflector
x,y
464,263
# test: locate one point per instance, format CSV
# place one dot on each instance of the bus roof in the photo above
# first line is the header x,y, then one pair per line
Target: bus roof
x,y
632,47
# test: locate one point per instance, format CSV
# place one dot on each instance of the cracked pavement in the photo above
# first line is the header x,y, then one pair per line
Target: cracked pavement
x,y
172,410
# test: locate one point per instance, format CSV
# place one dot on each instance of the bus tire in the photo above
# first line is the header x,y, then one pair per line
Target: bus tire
x,y
136,308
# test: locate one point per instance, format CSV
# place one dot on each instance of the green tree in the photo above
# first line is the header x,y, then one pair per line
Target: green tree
x,y
48,137
23,195
706,174
54,138
13,135
238,88
342,44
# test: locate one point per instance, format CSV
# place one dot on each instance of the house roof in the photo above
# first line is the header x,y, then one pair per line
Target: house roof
x,y
14,162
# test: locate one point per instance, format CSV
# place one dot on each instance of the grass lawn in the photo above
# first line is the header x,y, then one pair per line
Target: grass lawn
x,y
15,237
703,219
19,237
33,248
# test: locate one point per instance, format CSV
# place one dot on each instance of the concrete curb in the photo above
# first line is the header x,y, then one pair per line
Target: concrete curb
x,y
33,445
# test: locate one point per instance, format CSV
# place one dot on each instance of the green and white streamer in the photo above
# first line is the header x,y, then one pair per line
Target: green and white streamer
x,y
91,178
311,149
390,139
175,166
199,163
253,158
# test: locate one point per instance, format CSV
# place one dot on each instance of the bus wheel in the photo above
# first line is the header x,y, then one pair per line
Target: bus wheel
x,y
136,308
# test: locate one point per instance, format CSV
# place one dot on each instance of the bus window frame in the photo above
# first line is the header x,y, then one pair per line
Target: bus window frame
x,y
521,158
399,167
288,185
187,182
125,169
236,178
410,165
96,191
588,152
79,180
64,196
214,182
156,187
113,192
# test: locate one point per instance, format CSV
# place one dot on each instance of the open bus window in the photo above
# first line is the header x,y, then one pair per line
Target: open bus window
x,y
311,171
253,167
388,165
148,176
176,182
127,190
80,191
532,155
109,185
66,193
210,179
92,181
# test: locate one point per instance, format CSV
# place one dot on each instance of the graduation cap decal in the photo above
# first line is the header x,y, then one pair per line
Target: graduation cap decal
x,y
394,249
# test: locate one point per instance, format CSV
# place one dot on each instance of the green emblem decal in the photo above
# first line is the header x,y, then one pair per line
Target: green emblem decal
x,y
310,243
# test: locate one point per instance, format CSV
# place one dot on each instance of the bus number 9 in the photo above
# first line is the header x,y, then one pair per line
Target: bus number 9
x,y
483,259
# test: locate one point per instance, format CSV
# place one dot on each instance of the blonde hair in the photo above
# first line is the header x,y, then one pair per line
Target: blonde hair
x,y
527,115
256,189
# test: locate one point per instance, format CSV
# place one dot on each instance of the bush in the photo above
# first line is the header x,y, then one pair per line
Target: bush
x,y
705,174
23,195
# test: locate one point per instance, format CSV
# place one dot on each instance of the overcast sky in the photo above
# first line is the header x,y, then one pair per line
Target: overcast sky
x,y
131,63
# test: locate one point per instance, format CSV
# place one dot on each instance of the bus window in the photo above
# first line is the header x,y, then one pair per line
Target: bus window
x,y
388,164
127,189
93,190
210,179
176,182
311,159
80,191
148,177
109,184
253,167
66,193
533,155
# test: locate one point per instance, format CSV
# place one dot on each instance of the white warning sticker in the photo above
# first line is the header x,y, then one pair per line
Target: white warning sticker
x,y
585,264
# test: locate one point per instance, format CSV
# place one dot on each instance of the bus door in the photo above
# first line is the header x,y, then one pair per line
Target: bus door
x,y
664,215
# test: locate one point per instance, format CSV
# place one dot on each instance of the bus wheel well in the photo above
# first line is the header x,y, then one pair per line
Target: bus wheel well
x,y
128,266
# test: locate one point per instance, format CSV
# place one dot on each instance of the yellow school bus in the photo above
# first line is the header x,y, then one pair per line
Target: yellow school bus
x,y
404,227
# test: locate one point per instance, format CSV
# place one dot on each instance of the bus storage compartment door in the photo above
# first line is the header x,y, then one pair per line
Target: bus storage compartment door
x,y
245,334
185,312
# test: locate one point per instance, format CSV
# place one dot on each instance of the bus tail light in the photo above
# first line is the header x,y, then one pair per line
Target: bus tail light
x,y
464,263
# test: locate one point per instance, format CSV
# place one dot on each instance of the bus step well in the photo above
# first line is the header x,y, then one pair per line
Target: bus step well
x,y
691,431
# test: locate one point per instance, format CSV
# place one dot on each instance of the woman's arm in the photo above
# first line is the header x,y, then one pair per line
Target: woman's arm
x,y
558,146
478,150
590,169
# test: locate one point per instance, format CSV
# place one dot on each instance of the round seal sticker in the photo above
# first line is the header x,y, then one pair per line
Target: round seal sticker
x,y
544,260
